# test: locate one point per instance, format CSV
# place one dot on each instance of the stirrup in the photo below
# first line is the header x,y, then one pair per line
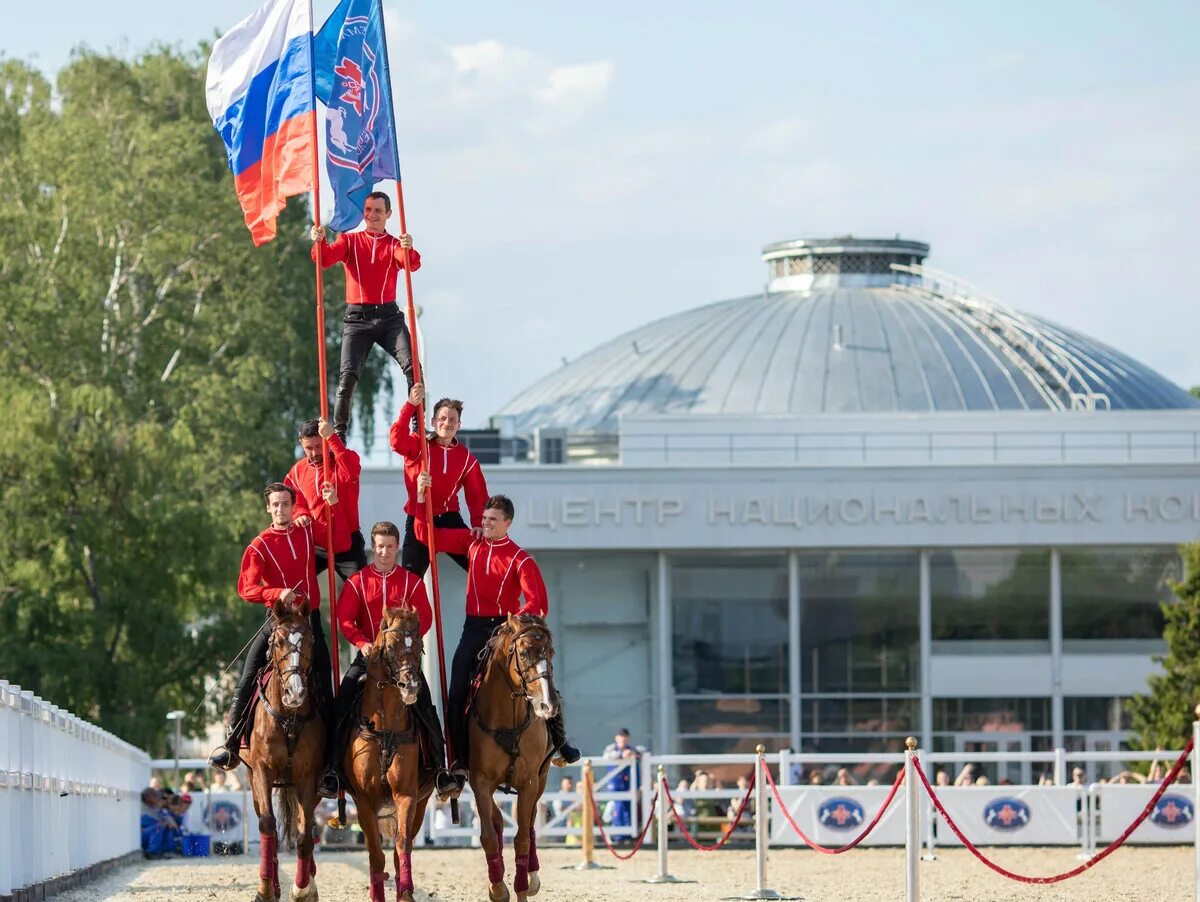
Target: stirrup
x,y
226,757
446,786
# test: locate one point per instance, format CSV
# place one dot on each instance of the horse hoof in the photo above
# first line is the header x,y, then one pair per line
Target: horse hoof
x,y
498,892
307,894
535,884
407,896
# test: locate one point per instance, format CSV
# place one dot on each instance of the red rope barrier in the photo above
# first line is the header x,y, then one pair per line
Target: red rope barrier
x,y
641,837
826,850
732,827
1074,872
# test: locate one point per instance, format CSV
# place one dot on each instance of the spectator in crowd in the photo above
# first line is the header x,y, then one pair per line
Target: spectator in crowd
x,y
156,783
982,780
706,808
844,778
193,781
160,832
620,779
816,777
1158,770
685,807
1045,779
941,778
1126,777
874,781
966,776
747,821
1078,777
218,783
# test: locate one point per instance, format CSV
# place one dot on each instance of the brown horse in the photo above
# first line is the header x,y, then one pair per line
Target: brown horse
x,y
287,750
381,763
510,745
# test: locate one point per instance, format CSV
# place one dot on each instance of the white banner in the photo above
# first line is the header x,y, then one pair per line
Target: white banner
x,y
1012,815
1169,822
834,815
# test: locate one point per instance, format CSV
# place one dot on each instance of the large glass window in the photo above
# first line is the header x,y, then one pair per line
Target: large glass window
x,y
730,619
991,593
991,715
1115,593
860,626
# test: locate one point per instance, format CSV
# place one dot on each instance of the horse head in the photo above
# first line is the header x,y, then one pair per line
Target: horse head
x,y
291,652
530,657
399,647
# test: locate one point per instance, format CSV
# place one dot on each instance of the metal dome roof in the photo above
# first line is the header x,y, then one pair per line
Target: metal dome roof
x,y
874,336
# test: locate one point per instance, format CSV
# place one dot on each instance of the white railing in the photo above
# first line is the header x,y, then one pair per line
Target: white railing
x,y
70,792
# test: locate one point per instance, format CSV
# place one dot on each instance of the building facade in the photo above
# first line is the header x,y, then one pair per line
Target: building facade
x,y
867,503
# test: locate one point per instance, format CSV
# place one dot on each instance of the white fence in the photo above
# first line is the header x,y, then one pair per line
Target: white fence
x,y
70,792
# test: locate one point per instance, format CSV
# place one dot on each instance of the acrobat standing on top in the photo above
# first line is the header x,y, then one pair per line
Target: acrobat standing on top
x,y
373,259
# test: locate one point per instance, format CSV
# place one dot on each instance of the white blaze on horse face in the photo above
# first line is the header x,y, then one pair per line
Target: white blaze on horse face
x,y
293,695
408,641
543,700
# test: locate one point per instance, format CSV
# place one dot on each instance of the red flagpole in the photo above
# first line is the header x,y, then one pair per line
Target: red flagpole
x,y
411,315
410,312
322,370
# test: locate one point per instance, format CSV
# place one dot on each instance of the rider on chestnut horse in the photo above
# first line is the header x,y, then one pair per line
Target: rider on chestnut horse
x,y
360,612
279,567
499,573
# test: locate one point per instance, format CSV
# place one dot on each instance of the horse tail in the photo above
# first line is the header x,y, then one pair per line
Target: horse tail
x,y
288,815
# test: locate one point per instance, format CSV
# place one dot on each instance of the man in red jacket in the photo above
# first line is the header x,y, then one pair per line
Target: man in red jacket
x,y
373,259
279,568
319,497
453,469
360,612
499,572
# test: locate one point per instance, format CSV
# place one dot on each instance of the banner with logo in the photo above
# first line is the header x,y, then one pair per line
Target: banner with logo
x,y
1012,815
1171,821
834,815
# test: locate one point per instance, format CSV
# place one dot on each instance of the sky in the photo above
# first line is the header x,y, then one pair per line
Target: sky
x,y
575,170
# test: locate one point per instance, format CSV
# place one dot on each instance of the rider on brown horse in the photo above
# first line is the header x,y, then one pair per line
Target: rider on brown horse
x,y
500,572
279,567
360,612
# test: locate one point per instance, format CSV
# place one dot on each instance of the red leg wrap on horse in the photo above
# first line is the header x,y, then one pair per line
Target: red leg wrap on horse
x,y
303,871
268,849
534,865
521,881
404,878
377,882
496,867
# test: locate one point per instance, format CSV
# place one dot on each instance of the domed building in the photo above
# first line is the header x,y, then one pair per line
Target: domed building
x,y
867,502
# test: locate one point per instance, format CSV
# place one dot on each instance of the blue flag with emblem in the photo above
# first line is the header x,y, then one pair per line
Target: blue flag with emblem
x,y
353,82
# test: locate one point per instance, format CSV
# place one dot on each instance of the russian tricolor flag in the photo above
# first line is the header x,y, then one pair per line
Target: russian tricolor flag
x,y
260,96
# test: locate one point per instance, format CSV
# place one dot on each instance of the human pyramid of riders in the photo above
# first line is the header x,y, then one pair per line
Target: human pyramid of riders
x,y
280,565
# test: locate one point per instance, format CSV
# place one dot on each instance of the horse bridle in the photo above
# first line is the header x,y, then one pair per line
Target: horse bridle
x,y
413,649
513,655
294,637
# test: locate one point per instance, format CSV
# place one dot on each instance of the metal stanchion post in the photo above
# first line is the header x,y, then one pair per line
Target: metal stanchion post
x,y
912,826
761,835
664,820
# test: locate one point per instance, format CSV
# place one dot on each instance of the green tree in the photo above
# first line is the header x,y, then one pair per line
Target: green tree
x,y
1163,717
154,366
1195,390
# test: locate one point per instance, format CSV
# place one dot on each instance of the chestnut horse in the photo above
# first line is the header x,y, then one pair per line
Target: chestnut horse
x,y
381,763
510,745
287,751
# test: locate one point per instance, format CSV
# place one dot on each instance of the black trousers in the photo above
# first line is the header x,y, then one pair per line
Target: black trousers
x,y
363,326
414,554
256,659
345,563
350,691
475,634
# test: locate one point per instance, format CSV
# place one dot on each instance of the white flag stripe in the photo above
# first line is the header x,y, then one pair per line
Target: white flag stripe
x,y
248,48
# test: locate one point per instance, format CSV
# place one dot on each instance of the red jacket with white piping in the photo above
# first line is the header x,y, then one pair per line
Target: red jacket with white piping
x,y
305,479
360,603
453,469
373,260
498,573
277,560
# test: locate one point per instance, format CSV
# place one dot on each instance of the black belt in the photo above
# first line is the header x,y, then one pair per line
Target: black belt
x,y
375,311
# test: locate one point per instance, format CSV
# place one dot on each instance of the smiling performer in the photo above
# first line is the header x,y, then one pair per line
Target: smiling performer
x,y
373,259
360,613
279,568
455,469
499,573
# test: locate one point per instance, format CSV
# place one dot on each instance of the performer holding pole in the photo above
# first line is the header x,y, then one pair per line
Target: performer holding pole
x,y
354,82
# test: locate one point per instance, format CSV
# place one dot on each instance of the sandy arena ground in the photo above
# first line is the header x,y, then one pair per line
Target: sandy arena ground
x,y
1143,874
